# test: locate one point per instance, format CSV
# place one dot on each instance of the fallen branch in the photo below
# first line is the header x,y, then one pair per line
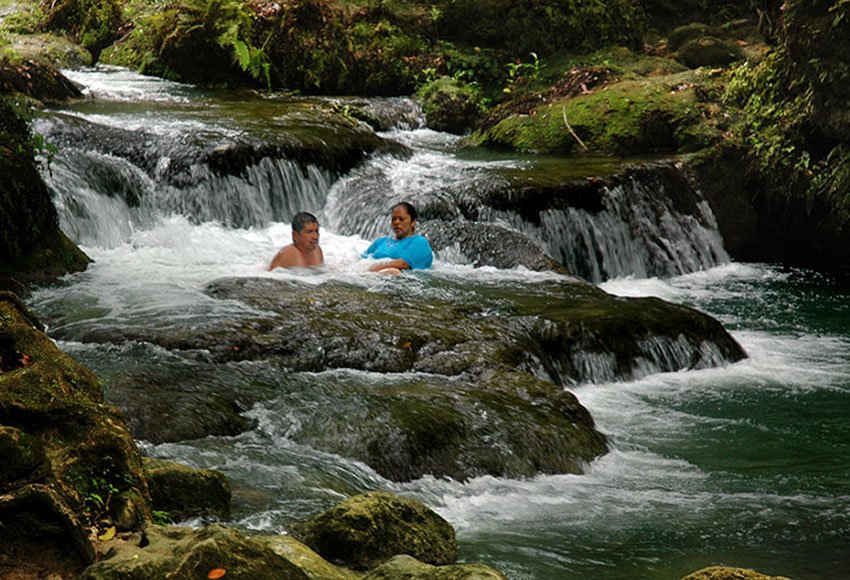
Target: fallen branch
x,y
570,129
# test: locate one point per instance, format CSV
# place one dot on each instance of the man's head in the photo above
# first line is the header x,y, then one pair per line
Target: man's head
x,y
403,220
305,231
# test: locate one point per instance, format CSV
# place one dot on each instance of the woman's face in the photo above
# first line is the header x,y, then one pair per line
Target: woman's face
x,y
402,225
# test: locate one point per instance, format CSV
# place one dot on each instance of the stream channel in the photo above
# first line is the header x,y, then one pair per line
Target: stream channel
x,y
746,464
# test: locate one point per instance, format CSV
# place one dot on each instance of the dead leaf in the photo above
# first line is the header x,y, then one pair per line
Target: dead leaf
x,y
216,573
107,535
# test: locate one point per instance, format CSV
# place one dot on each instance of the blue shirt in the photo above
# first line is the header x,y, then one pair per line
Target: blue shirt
x,y
415,250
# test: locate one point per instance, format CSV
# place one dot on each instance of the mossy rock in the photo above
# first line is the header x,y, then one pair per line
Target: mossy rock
x,y
729,573
412,569
449,105
32,247
683,34
22,457
93,23
37,79
366,530
49,401
171,552
185,492
629,117
313,565
709,51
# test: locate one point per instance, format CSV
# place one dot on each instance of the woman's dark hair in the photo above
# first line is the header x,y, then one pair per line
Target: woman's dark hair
x,y
301,220
411,211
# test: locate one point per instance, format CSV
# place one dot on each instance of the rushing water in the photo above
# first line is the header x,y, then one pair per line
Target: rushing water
x,y
746,465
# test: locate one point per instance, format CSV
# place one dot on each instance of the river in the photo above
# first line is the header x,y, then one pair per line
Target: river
x,y
745,465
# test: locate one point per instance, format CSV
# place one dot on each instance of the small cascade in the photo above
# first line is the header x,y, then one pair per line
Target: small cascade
x,y
654,222
108,183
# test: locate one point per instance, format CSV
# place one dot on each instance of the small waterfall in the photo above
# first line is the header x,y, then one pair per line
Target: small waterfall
x,y
103,198
649,225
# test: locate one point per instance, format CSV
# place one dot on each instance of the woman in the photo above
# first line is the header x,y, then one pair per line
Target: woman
x,y
405,250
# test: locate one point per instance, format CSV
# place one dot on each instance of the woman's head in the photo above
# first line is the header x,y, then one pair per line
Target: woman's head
x,y
403,220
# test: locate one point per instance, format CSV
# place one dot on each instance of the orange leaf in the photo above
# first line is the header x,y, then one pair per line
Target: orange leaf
x,y
216,573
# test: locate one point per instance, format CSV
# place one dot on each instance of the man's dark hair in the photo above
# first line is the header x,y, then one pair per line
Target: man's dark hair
x,y
301,220
411,211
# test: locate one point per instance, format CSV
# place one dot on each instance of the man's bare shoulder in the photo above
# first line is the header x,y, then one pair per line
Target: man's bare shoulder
x,y
288,257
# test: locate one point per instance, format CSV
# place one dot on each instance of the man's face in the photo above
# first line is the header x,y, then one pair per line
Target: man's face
x,y
401,223
307,239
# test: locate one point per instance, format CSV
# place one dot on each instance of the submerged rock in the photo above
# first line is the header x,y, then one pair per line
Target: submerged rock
x,y
367,530
453,381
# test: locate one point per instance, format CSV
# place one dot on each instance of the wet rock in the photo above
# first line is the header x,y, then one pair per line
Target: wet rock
x,y
366,530
32,247
486,244
170,552
72,463
186,492
729,573
309,135
412,569
41,534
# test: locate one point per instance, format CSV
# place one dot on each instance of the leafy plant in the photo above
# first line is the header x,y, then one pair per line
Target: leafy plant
x,y
529,71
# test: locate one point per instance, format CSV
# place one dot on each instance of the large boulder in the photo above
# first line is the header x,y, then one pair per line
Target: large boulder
x,y
480,352
32,247
364,531
71,466
185,492
171,552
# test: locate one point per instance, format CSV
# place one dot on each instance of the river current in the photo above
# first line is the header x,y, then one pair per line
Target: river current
x,y
745,465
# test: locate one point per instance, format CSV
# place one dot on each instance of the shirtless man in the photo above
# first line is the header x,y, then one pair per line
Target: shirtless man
x,y
304,251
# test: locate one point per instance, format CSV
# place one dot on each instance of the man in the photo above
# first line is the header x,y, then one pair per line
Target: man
x,y
405,250
304,251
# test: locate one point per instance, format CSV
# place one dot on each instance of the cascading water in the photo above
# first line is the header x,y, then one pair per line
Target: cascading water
x,y
742,464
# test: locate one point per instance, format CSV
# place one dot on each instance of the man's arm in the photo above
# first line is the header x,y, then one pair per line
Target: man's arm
x,y
288,257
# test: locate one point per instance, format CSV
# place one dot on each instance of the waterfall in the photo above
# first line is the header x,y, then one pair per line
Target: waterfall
x,y
643,229
103,198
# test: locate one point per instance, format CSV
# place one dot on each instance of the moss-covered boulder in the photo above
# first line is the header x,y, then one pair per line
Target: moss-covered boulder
x,y
32,247
412,569
729,573
171,552
185,492
93,23
72,467
709,51
366,530
627,117
449,105
313,565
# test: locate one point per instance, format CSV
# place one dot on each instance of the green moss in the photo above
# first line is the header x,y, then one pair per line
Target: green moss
x,y
93,23
658,114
